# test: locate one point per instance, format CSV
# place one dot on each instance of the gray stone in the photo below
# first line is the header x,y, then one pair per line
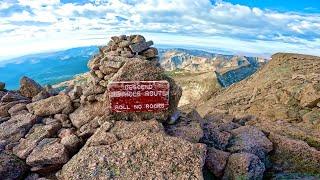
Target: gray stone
x,y
139,47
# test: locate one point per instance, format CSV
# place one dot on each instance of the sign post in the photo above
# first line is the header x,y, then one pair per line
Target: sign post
x,y
139,96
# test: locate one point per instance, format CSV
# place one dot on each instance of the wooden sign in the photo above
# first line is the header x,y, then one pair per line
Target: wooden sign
x,y
139,96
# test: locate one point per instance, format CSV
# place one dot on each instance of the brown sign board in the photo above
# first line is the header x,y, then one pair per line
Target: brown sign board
x,y
139,96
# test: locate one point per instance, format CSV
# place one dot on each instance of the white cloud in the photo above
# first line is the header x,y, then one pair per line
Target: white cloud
x,y
221,25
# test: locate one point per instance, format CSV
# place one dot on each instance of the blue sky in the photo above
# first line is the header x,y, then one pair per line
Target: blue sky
x,y
255,27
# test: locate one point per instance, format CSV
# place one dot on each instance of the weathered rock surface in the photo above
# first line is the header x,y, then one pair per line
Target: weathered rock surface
x,y
50,106
244,166
250,140
11,167
145,156
34,136
188,127
29,88
48,152
216,161
16,127
86,113
294,156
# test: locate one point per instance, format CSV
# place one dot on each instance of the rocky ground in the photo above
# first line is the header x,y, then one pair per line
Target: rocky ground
x,y
47,134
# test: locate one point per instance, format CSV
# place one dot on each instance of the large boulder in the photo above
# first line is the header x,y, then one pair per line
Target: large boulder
x,y
244,166
34,136
29,88
294,155
84,114
144,156
251,140
11,167
17,127
50,106
48,152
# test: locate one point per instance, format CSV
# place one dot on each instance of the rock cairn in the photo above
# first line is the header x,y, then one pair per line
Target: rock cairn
x,y
72,135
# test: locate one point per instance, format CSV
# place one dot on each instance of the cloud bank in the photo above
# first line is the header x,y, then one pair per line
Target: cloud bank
x,y
30,26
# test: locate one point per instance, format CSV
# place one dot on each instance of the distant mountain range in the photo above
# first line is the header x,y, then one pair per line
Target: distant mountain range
x,y
56,67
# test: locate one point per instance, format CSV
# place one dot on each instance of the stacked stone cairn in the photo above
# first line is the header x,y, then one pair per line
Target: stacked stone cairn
x,y
72,134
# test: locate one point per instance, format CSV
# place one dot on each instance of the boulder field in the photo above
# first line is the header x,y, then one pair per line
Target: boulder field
x,y
73,134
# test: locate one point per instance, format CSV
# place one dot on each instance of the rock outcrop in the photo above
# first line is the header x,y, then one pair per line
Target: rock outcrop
x,y
29,88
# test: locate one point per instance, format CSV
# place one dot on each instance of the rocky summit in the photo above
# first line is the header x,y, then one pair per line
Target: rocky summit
x,y
73,134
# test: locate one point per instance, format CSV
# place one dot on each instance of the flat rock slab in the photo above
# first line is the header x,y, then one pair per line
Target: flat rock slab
x,y
50,106
145,156
16,127
48,152
139,47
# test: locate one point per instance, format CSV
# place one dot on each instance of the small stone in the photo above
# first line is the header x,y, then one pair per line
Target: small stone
x,y
2,86
99,74
28,87
115,39
65,132
124,44
61,117
91,98
127,54
103,83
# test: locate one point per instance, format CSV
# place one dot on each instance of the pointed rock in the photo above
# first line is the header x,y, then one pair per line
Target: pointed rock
x,y
28,87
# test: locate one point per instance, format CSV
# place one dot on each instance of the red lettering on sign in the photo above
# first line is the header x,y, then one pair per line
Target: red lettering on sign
x,y
139,96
